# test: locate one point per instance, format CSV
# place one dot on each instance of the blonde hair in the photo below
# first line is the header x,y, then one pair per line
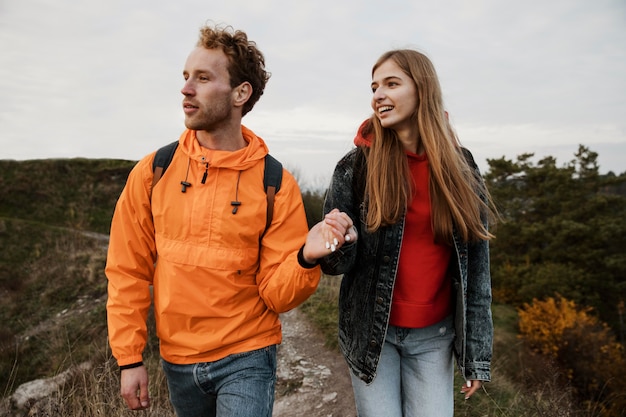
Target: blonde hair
x,y
455,188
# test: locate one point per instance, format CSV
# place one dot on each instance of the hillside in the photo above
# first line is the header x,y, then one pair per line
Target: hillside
x,y
74,193
53,292
54,221
54,216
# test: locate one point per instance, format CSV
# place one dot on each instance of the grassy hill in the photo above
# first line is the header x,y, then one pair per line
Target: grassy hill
x,y
54,221
74,193
54,216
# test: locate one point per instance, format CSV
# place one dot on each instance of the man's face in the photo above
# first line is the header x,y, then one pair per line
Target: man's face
x,y
208,102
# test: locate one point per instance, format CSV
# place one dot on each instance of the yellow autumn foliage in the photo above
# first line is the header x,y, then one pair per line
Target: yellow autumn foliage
x,y
542,323
584,348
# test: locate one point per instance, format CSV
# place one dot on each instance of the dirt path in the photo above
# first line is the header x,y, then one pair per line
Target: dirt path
x,y
313,381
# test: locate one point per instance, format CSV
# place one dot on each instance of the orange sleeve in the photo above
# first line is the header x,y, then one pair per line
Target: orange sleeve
x,y
130,266
283,282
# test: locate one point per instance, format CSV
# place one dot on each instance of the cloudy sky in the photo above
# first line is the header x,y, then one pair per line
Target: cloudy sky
x,y
102,79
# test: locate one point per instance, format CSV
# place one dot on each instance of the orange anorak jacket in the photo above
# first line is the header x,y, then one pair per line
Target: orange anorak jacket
x,y
217,291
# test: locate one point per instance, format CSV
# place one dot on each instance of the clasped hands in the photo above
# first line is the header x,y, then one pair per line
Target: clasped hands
x,y
329,235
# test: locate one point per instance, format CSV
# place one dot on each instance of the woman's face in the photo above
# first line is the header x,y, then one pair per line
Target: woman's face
x,y
395,96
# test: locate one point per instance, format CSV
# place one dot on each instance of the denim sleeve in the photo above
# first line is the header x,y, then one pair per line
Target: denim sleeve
x,y
479,344
479,320
342,197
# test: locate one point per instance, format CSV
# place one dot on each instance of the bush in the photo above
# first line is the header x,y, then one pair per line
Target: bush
x,y
584,347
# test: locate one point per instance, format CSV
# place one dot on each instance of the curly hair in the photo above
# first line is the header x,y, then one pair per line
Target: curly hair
x,y
247,63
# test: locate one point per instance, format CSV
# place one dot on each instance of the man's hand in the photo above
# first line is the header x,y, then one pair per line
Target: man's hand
x,y
134,388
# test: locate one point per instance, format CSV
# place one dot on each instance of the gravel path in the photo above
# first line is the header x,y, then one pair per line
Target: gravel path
x,y
313,381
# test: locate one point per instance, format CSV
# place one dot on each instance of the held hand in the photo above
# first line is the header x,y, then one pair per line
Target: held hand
x,y
329,235
134,388
339,230
470,387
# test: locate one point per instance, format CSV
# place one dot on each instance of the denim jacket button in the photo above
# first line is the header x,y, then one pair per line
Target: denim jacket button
x,y
386,259
373,343
379,300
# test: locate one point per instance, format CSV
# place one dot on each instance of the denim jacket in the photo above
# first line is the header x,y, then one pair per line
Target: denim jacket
x,y
369,268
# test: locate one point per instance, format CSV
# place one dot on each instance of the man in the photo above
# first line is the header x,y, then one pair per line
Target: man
x,y
197,237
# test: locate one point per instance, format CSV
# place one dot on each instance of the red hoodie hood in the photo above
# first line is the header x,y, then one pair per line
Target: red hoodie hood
x,y
364,134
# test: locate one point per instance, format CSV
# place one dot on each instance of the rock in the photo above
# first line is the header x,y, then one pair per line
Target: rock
x,y
311,379
30,392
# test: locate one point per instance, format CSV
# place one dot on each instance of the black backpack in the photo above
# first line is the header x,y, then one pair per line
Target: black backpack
x,y
272,176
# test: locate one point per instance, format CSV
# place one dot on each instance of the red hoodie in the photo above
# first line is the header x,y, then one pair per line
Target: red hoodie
x,y
422,291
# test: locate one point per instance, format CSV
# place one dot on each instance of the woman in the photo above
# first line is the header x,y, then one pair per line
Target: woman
x,y
416,284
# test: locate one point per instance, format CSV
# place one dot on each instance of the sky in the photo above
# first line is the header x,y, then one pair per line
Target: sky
x,y
102,79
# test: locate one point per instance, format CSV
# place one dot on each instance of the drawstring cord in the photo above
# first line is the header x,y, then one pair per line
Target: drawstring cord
x,y
184,183
206,172
236,203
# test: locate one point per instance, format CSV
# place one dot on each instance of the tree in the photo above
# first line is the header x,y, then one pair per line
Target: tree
x,y
564,231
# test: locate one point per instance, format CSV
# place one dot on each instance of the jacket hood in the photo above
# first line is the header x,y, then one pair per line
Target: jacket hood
x,y
364,134
240,159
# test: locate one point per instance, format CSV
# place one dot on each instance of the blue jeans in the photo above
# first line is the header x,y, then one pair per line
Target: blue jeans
x,y
415,375
240,385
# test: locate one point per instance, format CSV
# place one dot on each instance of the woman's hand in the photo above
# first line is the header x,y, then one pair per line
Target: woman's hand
x,y
470,387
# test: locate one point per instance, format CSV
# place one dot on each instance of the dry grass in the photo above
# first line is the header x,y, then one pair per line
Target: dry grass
x,y
95,392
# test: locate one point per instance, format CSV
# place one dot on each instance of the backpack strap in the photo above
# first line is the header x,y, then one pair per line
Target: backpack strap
x,y
272,179
162,160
